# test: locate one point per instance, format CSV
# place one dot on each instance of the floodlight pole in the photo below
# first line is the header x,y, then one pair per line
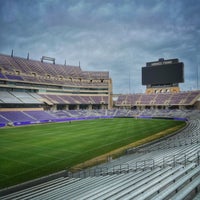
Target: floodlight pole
x,y
12,53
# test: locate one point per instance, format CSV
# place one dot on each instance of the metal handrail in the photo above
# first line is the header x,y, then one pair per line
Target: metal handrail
x,y
145,164
198,157
121,168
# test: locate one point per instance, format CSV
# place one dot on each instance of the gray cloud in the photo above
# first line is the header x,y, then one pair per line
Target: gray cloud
x,y
105,35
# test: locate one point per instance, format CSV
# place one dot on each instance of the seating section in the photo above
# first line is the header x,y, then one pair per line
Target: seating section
x,y
30,117
182,98
185,98
39,115
7,97
26,70
18,98
25,97
16,117
165,169
3,121
75,99
162,99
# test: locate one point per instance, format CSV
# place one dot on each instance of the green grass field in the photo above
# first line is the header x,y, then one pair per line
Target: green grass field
x,y
33,151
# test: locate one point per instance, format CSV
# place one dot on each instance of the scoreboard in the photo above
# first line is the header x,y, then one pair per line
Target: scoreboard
x,y
163,72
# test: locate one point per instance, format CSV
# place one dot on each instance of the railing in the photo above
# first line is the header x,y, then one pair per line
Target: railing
x,y
170,160
184,159
121,168
181,142
198,158
145,164
116,169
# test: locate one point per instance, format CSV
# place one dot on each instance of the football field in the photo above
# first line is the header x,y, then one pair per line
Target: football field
x,y
33,151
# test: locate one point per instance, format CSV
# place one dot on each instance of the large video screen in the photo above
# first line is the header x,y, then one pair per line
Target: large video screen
x,y
163,74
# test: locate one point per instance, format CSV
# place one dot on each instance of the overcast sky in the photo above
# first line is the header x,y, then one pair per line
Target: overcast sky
x,y
118,36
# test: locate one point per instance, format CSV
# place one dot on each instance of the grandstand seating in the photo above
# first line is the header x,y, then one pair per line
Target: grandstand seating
x,y
33,98
69,99
7,97
40,72
182,98
19,98
161,99
147,99
2,76
3,121
16,117
40,116
14,77
25,98
21,71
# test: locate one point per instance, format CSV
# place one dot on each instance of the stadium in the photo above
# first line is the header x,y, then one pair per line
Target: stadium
x,y
42,102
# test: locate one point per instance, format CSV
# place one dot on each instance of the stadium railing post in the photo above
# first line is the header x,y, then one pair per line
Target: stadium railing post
x,y
198,158
185,159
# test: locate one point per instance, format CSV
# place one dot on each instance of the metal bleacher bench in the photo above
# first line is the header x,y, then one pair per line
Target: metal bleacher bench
x,y
183,192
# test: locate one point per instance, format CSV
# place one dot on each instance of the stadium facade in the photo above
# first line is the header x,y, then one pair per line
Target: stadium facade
x,y
34,91
45,85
